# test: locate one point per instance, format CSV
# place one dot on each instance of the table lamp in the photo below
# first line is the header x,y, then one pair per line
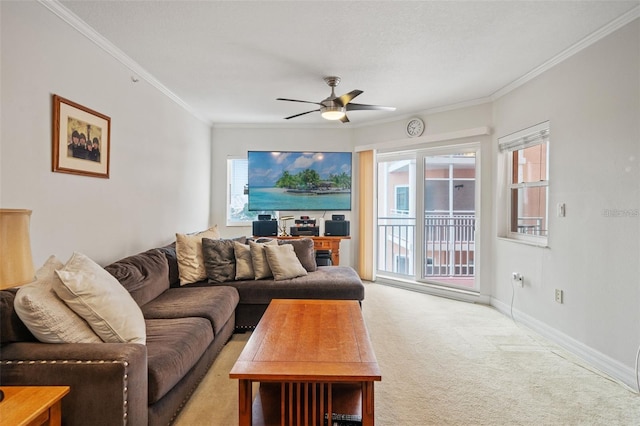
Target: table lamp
x,y
283,227
16,262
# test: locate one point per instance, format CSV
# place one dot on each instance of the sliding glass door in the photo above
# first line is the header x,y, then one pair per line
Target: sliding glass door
x,y
427,216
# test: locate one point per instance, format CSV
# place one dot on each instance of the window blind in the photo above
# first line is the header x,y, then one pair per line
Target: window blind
x,y
524,138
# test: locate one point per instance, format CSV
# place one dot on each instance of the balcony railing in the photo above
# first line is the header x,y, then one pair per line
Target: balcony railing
x,y
448,246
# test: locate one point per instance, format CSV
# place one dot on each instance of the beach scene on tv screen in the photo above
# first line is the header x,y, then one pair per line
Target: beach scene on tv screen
x,y
299,180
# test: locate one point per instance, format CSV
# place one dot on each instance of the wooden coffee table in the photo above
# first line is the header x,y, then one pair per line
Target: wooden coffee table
x,y
311,357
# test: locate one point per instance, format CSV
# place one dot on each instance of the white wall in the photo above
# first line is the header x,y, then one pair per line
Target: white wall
x,y
593,103
235,141
160,154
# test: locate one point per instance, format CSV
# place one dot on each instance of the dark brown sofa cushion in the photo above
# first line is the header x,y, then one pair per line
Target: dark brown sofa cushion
x,y
144,275
327,282
12,329
216,304
169,252
173,348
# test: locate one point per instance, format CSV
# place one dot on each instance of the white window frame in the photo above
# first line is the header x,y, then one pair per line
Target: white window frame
x,y
526,138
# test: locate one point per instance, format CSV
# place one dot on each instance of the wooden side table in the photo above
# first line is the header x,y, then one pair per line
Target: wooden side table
x,y
32,405
324,243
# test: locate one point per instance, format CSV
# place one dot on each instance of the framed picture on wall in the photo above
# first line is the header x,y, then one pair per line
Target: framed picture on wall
x,y
81,139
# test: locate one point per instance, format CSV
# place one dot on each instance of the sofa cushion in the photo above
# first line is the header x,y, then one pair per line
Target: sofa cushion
x,y
98,297
12,329
216,304
169,252
189,252
220,259
283,262
46,315
144,275
305,251
327,282
261,267
173,348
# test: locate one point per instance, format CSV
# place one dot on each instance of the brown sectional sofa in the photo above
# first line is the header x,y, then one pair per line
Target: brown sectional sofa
x,y
326,282
186,326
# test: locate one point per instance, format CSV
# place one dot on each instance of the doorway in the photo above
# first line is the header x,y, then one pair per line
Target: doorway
x,y
427,215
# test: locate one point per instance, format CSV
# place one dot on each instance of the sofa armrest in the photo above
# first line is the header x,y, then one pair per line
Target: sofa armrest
x,y
108,381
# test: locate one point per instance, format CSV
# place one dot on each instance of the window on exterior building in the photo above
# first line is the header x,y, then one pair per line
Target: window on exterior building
x,y
527,182
402,199
238,213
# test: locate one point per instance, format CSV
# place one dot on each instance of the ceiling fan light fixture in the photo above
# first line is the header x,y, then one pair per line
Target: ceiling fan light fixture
x,y
333,112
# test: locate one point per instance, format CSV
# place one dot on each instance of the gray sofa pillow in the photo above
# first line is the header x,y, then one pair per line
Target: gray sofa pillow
x,y
219,259
304,251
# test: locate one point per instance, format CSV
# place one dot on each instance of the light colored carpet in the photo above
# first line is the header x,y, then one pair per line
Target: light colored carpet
x,y
445,362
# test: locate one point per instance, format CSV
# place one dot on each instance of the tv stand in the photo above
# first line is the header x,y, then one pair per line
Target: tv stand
x,y
324,243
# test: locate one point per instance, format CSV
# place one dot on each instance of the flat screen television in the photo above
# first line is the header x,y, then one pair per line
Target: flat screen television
x,y
286,180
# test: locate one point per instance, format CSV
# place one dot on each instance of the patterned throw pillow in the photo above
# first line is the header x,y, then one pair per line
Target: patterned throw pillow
x,y
220,259
48,318
95,295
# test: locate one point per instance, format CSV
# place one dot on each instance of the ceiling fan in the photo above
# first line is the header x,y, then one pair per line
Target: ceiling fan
x,y
336,107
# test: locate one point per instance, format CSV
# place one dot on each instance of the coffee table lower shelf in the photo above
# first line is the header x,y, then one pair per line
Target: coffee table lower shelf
x,y
304,403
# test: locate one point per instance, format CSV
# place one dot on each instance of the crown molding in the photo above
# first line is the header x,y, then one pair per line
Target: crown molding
x,y
83,28
592,38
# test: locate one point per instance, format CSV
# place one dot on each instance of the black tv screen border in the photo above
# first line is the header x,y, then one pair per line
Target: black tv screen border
x,y
314,180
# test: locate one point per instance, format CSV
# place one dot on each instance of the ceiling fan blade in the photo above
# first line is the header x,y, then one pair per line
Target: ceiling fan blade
x,y
347,97
296,100
345,119
302,113
354,107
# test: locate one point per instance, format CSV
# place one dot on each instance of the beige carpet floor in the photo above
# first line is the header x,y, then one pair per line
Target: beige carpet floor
x,y
445,362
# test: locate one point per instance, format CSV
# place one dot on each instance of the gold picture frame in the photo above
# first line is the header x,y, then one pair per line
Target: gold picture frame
x,y
81,139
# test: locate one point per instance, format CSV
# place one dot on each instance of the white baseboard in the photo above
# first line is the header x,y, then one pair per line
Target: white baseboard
x,y
599,361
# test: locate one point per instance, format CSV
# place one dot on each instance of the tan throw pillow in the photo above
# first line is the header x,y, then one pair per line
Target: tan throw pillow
x,y
283,262
305,252
46,316
261,267
244,264
189,253
101,300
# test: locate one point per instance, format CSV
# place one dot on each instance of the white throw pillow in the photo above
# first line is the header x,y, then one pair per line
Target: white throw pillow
x,y
283,262
259,258
101,300
46,315
189,253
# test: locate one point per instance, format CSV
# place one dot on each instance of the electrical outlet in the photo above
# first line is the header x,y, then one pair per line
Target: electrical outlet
x,y
518,278
561,210
559,295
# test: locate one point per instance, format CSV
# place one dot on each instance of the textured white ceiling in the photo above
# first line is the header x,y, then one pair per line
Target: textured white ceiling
x,y
230,60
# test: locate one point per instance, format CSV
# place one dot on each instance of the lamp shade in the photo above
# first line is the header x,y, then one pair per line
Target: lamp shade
x,y
16,262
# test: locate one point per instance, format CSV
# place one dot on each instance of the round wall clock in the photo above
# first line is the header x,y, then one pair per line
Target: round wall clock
x,y
415,127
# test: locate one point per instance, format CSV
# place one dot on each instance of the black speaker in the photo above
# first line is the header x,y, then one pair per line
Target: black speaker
x,y
337,217
336,228
264,217
265,228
